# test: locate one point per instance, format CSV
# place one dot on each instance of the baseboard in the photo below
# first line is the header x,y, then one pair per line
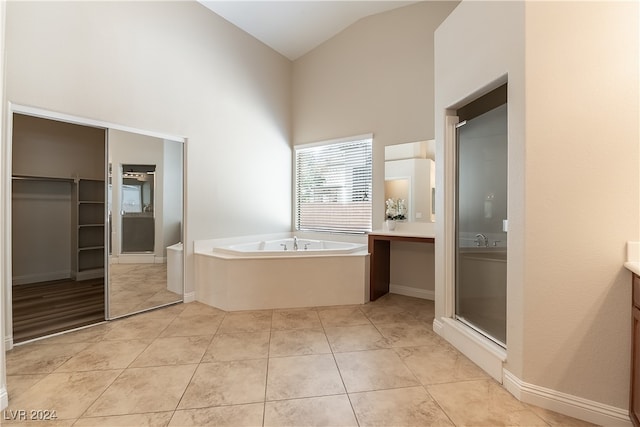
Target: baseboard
x,y
484,353
4,398
573,406
412,292
8,342
41,277
189,297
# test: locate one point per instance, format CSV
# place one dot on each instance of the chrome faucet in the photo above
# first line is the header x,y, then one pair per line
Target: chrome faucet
x,y
295,243
481,240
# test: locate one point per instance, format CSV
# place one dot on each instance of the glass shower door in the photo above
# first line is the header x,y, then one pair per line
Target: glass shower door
x,y
481,213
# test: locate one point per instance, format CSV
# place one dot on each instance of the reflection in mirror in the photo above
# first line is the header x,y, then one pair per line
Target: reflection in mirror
x,y
145,204
409,173
137,202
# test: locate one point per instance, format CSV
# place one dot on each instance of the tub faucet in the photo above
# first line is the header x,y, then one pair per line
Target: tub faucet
x,y
295,243
481,240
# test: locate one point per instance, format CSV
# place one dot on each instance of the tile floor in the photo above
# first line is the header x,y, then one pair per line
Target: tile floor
x,y
136,287
379,364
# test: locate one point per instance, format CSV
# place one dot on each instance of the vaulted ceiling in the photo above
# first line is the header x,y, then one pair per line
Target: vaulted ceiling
x,y
293,28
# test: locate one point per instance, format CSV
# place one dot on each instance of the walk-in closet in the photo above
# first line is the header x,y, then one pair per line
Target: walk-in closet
x,y
57,226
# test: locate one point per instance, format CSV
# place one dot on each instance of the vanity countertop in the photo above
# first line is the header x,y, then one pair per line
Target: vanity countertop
x,y
408,229
633,257
633,266
407,233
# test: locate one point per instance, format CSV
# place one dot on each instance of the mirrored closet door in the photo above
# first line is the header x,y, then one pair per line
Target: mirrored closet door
x,y
96,224
57,226
145,194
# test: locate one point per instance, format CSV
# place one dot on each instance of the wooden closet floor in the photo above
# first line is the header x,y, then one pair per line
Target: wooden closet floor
x,y
46,308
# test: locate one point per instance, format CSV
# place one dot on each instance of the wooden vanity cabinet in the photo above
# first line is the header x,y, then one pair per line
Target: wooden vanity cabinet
x,y
634,403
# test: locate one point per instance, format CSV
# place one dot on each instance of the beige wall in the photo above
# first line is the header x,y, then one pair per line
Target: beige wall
x,y
375,76
4,398
174,68
573,199
582,117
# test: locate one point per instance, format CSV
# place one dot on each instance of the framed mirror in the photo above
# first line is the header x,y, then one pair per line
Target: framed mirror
x,y
409,173
145,216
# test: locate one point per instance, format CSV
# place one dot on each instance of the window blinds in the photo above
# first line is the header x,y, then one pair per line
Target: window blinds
x,y
333,186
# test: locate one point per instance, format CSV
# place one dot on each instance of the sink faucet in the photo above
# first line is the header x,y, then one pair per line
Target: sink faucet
x,y
295,243
481,240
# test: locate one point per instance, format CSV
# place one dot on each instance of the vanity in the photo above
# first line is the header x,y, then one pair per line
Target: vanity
x,y
380,255
633,250
410,178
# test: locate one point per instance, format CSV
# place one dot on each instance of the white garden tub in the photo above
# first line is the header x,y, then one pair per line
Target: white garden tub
x,y
261,274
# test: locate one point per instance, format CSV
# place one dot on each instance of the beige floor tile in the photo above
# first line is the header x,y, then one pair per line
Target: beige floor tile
x,y
197,309
104,355
329,411
482,403
140,390
226,383
425,313
144,327
409,334
303,376
421,309
173,351
555,419
193,325
351,316
246,321
153,419
391,313
33,423
355,338
67,393
296,319
249,415
435,364
91,334
18,384
40,359
298,342
398,407
238,346
373,370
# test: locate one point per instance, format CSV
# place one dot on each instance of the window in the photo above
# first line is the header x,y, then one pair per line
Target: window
x,y
333,186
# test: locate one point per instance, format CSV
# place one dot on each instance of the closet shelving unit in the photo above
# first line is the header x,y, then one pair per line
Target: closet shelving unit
x,y
88,240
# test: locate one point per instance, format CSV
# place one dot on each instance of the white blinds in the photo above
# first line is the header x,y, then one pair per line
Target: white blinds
x,y
333,186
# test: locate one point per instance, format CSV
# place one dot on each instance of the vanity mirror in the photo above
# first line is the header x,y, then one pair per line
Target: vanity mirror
x,y
409,173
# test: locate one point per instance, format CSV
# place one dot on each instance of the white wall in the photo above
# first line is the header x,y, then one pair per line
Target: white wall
x,y
573,198
375,76
174,68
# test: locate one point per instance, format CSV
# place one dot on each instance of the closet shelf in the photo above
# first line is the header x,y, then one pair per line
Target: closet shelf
x,y
89,195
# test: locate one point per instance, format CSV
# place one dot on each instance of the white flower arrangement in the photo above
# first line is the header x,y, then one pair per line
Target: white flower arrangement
x,y
396,209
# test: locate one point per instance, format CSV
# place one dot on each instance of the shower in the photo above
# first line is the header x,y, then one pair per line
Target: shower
x,y
481,216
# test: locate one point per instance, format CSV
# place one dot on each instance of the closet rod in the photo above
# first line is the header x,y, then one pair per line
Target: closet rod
x,y
40,178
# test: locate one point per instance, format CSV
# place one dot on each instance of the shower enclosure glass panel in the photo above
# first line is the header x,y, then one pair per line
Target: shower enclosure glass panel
x,y
481,213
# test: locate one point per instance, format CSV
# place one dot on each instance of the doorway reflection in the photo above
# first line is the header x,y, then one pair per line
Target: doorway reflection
x,y
137,202
146,214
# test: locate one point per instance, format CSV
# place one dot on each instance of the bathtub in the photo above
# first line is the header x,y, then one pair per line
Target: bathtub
x,y
287,248
260,274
